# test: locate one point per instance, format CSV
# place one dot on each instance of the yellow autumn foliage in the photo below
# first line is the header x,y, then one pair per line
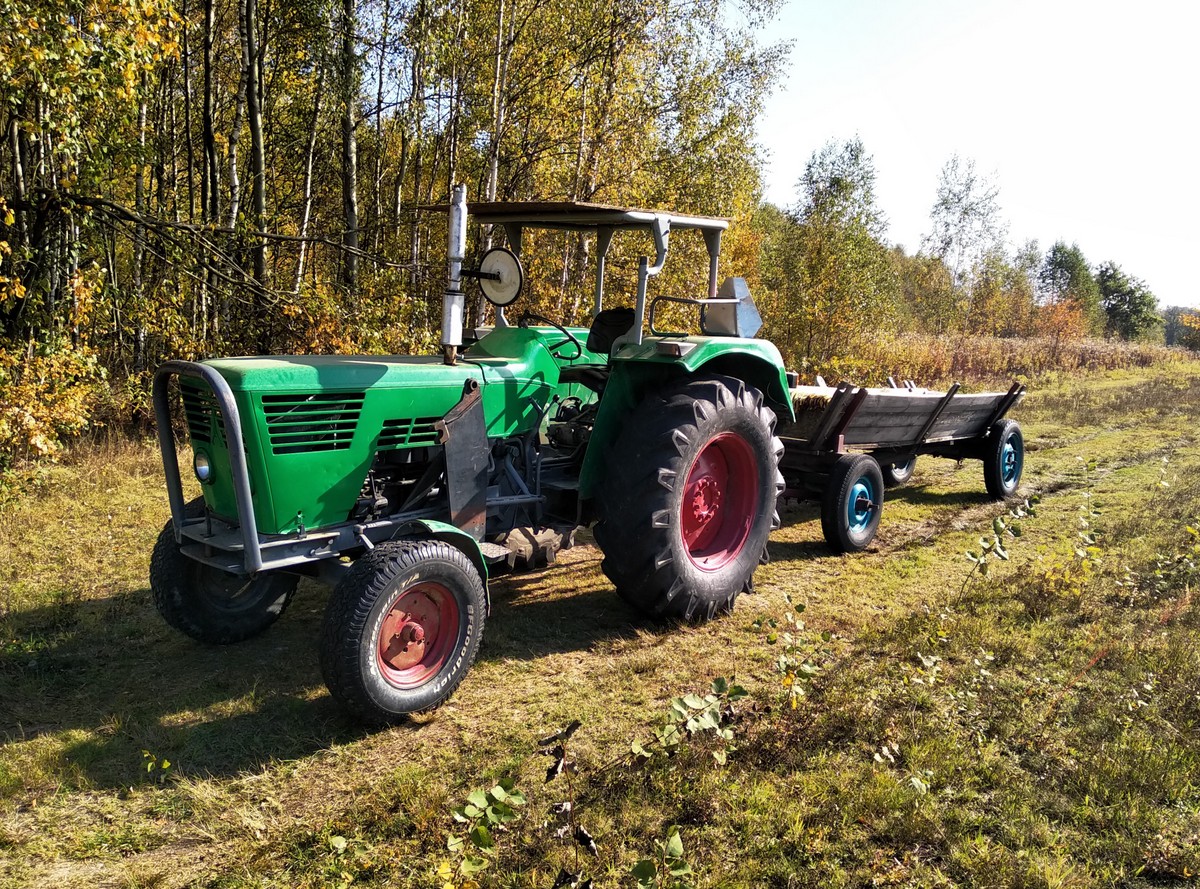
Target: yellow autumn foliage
x,y
46,397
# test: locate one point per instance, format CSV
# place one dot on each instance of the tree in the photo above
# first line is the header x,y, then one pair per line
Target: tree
x,y
1065,277
181,178
831,275
1172,325
966,222
1130,307
1189,330
1001,296
927,297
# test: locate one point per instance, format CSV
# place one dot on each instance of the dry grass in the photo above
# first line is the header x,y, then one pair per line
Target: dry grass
x,y
1051,775
940,360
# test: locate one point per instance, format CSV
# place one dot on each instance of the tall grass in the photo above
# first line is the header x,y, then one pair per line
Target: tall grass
x,y
930,359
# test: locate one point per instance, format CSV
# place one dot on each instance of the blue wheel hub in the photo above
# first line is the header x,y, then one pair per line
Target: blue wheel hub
x,y
1010,463
861,506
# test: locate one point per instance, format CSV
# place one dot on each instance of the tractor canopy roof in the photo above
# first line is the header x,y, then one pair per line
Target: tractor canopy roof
x,y
580,216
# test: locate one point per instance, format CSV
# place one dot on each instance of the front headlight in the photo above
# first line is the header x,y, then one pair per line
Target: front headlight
x,y
202,467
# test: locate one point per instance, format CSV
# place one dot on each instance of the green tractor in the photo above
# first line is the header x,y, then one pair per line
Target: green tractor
x,y
400,480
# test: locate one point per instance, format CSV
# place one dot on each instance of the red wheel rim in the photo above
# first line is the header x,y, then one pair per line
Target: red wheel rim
x,y
418,635
718,505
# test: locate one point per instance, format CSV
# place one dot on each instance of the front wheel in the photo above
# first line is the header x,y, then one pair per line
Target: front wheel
x,y
690,497
1003,459
402,629
209,604
852,503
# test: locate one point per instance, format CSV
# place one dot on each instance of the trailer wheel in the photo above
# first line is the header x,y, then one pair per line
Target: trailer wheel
x,y
1003,459
402,629
690,498
209,604
852,503
897,474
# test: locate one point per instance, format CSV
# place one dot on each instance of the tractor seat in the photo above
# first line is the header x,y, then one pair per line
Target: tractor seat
x,y
607,326
593,376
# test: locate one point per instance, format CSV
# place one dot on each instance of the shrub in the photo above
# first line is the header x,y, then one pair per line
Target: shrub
x,y
928,359
46,397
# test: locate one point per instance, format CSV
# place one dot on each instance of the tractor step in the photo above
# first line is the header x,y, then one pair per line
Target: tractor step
x,y
493,552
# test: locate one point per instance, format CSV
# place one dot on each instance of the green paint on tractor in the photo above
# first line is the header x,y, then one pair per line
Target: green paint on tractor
x,y
313,424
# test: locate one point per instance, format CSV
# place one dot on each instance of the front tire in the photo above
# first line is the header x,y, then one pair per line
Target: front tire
x,y
1003,459
852,503
690,497
402,629
209,604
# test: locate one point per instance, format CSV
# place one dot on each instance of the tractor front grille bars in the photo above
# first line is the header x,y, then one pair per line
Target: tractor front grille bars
x,y
252,560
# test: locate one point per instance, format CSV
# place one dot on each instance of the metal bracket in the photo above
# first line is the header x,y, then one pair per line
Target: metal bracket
x,y
1015,391
835,437
463,435
933,418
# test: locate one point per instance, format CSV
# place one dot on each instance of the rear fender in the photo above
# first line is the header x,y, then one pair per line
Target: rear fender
x,y
639,370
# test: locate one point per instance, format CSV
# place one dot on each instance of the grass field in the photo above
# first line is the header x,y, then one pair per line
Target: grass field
x,y
1037,726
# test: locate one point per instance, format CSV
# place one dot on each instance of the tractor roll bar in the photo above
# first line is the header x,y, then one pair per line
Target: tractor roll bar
x,y
251,551
604,220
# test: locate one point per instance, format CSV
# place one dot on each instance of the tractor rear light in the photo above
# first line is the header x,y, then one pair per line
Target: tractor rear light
x,y
202,467
674,349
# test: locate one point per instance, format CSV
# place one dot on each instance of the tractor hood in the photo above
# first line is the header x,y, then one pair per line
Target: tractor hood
x,y
307,373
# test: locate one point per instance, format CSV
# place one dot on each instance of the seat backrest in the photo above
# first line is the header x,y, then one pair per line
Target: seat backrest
x,y
607,326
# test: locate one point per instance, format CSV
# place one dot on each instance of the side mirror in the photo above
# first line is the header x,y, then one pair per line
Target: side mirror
x,y
500,276
738,318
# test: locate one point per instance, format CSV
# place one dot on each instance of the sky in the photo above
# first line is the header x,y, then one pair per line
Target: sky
x,y
1085,114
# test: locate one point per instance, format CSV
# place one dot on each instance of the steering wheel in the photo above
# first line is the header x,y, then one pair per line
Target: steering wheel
x,y
526,317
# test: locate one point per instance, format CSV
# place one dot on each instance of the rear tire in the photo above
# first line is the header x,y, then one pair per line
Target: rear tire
x,y
209,604
402,629
1003,459
897,474
852,503
689,498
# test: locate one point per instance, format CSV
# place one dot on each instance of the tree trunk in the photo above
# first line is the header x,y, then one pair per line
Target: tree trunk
x,y
235,132
377,195
258,158
349,98
14,135
139,237
186,58
307,201
210,178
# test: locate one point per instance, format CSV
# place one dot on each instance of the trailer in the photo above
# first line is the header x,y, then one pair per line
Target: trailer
x,y
849,443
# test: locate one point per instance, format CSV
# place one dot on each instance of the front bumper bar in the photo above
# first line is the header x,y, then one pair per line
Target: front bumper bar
x,y
252,558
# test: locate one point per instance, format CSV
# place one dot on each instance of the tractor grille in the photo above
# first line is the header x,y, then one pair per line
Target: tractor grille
x,y
321,421
199,408
408,433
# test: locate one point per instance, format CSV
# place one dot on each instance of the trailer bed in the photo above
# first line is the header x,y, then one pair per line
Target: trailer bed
x,y
895,421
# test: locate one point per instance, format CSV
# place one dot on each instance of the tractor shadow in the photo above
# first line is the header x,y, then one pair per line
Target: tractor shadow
x,y
88,687
927,495
557,609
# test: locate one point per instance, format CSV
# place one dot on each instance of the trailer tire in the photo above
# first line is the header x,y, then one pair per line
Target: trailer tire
x,y
1003,459
209,604
402,629
690,498
852,503
897,474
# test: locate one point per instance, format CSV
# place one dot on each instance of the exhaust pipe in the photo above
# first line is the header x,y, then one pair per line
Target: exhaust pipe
x,y
454,301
